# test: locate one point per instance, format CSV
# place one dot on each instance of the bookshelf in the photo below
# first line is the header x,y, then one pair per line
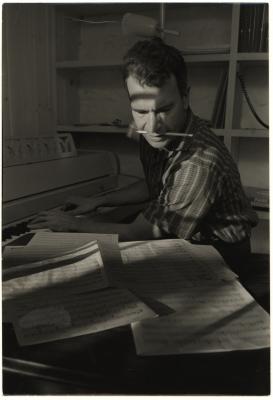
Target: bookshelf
x,y
90,90
252,57
75,59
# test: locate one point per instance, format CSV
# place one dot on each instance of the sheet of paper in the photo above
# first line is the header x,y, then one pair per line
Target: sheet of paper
x,y
87,274
161,270
45,245
110,252
108,245
50,319
195,282
49,263
184,260
219,319
156,271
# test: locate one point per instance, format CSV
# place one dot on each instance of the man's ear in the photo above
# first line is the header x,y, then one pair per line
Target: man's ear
x,y
186,98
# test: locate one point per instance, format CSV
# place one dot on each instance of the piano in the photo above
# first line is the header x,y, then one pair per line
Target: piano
x,y
32,187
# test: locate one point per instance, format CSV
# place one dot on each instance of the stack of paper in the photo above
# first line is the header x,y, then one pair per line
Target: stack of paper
x,y
197,300
211,310
70,299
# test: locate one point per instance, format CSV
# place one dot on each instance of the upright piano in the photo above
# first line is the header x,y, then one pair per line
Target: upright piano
x,y
45,183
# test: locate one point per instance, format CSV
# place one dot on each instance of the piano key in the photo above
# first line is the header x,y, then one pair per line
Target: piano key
x,y
16,230
24,237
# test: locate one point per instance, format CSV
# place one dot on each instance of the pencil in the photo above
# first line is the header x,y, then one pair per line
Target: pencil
x,y
166,133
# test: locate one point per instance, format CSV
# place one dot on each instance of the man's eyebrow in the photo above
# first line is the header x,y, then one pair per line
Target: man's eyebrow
x,y
165,106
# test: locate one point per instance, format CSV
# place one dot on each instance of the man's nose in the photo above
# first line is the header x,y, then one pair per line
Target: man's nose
x,y
151,123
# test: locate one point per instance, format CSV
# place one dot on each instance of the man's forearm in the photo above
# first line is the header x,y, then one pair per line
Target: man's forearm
x,y
140,229
90,226
133,194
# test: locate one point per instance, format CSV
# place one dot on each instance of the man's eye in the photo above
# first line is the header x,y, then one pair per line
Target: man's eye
x,y
140,112
165,110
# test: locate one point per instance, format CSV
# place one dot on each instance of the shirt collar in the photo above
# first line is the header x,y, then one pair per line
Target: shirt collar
x,y
182,143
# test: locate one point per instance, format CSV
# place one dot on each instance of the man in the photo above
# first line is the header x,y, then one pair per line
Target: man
x,y
192,184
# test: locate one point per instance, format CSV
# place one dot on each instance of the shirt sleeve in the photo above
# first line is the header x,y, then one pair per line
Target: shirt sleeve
x,y
186,198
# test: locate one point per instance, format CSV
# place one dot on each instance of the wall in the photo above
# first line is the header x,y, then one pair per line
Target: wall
x,y
28,91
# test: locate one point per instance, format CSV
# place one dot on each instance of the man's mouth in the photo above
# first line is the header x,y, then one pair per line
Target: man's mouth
x,y
156,136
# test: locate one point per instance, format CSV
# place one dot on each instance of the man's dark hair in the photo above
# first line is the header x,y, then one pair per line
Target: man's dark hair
x,y
152,62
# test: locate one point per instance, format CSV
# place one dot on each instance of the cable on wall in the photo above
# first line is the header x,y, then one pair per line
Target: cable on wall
x,y
252,109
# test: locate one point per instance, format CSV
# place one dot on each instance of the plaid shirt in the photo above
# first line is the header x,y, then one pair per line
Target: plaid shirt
x,y
195,187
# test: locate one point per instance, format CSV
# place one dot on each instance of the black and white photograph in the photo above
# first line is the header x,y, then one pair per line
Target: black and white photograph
x,y
135,164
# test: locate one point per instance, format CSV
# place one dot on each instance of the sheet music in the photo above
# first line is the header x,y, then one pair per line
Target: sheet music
x,y
58,317
45,245
206,309
37,255
211,310
87,274
223,319
163,269
59,302
110,252
108,245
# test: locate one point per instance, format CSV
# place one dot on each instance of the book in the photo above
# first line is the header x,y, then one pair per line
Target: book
x,y
244,28
253,28
250,20
241,30
258,24
264,30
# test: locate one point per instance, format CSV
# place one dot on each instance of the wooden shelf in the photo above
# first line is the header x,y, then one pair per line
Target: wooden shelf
x,y
250,133
91,129
195,58
75,64
252,56
200,58
242,133
189,58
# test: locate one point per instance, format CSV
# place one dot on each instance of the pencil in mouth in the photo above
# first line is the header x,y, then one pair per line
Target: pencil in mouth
x,y
141,132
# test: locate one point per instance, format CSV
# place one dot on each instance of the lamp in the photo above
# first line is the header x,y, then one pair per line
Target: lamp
x,y
134,24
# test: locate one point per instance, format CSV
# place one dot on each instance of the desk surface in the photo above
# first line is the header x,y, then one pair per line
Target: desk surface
x,y
106,363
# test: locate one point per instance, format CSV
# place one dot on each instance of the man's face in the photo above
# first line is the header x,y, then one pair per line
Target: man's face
x,y
157,110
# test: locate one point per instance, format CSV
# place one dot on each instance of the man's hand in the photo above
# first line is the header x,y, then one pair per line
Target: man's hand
x,y
60,221
57,221
76,205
